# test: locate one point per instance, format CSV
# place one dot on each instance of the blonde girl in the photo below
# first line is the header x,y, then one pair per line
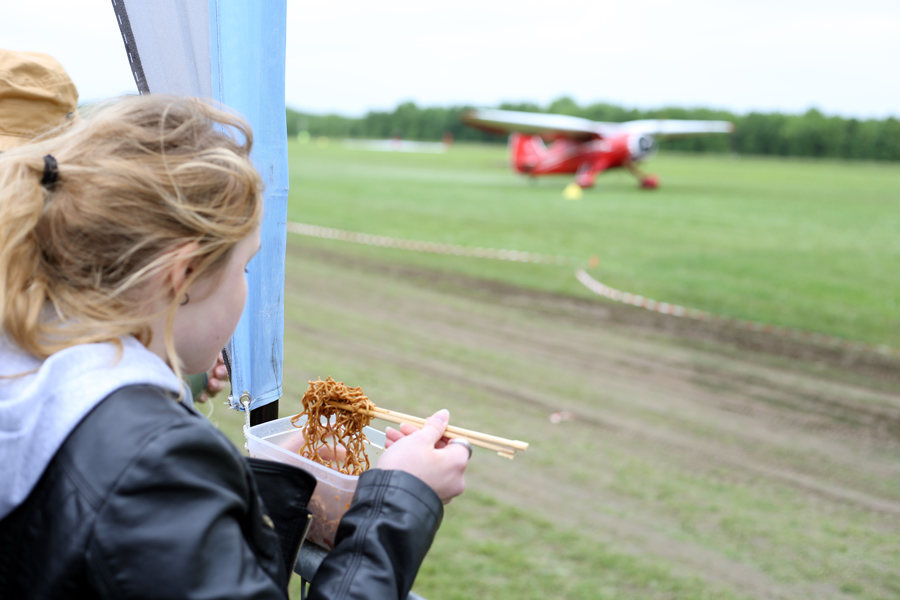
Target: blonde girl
x,y
123,244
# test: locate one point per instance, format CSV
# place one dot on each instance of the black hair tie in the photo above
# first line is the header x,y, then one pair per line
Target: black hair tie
x,y
51,172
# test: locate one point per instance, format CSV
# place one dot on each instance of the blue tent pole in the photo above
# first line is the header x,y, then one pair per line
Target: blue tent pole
x,y
247,64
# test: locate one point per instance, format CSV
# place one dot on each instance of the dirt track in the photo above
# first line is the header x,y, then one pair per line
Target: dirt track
x,y
728,455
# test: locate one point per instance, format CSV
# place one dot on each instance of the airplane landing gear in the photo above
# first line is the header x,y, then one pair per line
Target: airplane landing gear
x,y
585,179
645,180
649,182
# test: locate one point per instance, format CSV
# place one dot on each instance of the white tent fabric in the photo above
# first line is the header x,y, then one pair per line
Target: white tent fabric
x,y
172,40
231,51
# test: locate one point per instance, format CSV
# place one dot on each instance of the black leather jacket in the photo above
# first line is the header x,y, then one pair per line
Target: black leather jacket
x,y
146,499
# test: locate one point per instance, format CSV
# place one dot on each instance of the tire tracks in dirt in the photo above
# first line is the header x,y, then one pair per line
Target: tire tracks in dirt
x,y
710,454
710,407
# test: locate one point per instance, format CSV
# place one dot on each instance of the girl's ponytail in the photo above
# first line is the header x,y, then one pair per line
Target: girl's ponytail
x,y
84,232
22,288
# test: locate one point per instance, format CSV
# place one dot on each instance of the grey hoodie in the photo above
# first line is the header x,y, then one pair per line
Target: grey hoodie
x,y
39,410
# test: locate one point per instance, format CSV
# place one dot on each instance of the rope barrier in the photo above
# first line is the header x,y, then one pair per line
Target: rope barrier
x,y
700,315
588,282
245,402
431,247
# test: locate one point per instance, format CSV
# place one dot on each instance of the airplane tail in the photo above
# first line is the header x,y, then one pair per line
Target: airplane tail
x,y
525,151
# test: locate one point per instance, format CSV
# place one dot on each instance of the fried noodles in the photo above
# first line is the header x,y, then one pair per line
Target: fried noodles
x,y
332,436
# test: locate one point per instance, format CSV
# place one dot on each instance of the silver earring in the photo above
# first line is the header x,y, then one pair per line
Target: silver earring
x,y
186,299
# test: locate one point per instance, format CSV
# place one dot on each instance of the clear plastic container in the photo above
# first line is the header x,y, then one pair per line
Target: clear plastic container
x,y
280,441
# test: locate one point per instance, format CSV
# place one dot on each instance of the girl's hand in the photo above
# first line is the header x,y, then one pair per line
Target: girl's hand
x,y
217,379
426,454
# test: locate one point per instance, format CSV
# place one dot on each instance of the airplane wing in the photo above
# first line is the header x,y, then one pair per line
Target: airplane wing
x,y
673,128
502,121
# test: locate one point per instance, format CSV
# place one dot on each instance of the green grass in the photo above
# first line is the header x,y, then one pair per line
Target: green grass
x,y
811,245
649,471
512,553
682,484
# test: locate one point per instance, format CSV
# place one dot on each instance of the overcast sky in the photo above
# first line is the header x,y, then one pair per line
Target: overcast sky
x,y
351,56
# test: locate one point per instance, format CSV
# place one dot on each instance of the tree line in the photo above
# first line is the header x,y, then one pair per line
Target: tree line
x,y
811,134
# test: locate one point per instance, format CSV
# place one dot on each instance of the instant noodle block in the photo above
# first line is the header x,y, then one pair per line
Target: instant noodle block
x,y
280,441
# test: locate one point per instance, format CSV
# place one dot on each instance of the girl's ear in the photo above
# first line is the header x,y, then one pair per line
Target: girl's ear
x,y
182,267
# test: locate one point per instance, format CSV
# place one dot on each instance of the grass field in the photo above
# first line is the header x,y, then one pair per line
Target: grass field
x,y
812,245
689,468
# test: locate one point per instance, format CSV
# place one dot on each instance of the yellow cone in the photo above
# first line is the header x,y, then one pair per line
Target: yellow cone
x,y
572,192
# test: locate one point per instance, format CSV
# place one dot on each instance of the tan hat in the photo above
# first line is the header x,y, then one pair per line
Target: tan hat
x,y
36,95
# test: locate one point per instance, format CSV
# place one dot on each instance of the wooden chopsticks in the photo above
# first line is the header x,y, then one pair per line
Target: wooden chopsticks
x,y
502,446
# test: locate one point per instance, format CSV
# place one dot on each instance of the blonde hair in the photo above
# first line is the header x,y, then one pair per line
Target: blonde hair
x,y
138,179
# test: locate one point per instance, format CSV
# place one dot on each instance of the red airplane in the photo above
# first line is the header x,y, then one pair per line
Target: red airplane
x,y
584,147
